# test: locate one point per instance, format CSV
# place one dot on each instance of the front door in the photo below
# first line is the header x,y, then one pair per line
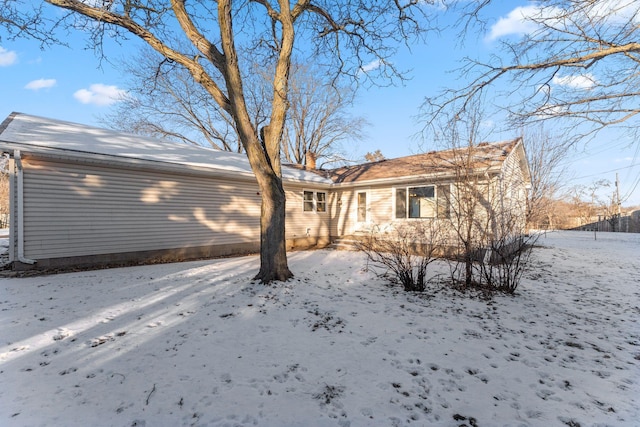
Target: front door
x,y
362,207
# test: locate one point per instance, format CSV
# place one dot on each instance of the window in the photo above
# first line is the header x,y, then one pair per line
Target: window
x,y
307,201
401,203
314,201
321,201
362,207
423,202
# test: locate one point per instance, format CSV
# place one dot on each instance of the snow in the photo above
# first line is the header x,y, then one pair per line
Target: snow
x,y
199,344
40,134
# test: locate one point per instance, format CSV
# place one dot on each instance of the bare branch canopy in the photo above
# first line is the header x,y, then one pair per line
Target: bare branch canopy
x,y
575,60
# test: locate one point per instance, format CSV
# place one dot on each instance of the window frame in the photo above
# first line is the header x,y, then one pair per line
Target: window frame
x,y
322,202
440,209
412,197
315,204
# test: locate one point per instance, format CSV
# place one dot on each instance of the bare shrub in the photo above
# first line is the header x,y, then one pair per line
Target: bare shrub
x,y
505,261
403,252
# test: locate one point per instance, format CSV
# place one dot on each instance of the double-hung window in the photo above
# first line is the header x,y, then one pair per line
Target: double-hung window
x,y
314,201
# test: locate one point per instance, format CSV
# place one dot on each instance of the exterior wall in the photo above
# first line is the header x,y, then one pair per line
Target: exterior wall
x,y
79,209
345,212
81,213
380,209
76,212
306,229
342,204
514,188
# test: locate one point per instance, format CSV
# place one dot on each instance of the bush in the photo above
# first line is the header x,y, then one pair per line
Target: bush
x,y
403,252
505,261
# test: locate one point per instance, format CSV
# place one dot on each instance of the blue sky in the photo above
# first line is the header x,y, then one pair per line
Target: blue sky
x,y
71,84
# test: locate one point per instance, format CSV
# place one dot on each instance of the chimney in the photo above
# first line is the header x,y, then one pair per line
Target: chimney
x,y
310,160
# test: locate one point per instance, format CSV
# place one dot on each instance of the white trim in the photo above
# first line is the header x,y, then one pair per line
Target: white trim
x,y
367,213
20,212
406,187
314,200
12,209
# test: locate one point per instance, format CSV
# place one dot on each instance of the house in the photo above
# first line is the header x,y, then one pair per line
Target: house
x,y
81,195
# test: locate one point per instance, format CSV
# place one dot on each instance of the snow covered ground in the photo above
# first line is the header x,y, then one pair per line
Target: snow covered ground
x,y
199,344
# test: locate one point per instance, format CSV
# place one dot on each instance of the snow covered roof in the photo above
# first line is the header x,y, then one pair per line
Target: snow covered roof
x,y
40,135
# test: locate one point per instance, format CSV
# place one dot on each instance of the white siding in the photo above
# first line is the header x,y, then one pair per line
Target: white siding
x,y
380,205
345,209
298,221
80,209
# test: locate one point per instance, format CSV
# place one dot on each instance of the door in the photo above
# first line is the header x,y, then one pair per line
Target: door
x,y
362,207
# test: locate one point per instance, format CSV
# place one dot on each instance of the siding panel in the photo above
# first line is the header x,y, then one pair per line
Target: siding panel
x,y
78,209
298,221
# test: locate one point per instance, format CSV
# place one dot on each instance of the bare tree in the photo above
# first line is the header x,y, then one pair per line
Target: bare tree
x,y
317,120
174,106
486,209
163,100
25,19
375,156
471,208
578,61
588,205
546,155
223,36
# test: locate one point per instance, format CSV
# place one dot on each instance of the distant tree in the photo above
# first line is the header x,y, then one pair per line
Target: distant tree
x,y
174,106
318,120
163,100
375,156
587,202
546,155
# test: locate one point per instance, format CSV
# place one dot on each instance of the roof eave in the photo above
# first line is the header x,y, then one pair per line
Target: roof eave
x,y
37,151
414,178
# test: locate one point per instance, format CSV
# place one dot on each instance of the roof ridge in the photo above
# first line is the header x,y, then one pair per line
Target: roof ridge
x,y
432,152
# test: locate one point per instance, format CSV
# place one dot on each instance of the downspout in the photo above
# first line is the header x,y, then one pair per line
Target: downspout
x,y
20,210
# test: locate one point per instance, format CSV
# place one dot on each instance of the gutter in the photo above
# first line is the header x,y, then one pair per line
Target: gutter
x,y
20,210
66,155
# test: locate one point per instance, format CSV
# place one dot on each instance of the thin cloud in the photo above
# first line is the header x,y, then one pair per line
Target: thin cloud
x,y
100,94
624,160
522,19
7,57
614,11
373,65
586,81
40,84
517,22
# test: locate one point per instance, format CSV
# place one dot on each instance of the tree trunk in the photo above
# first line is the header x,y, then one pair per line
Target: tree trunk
x,y
273,253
